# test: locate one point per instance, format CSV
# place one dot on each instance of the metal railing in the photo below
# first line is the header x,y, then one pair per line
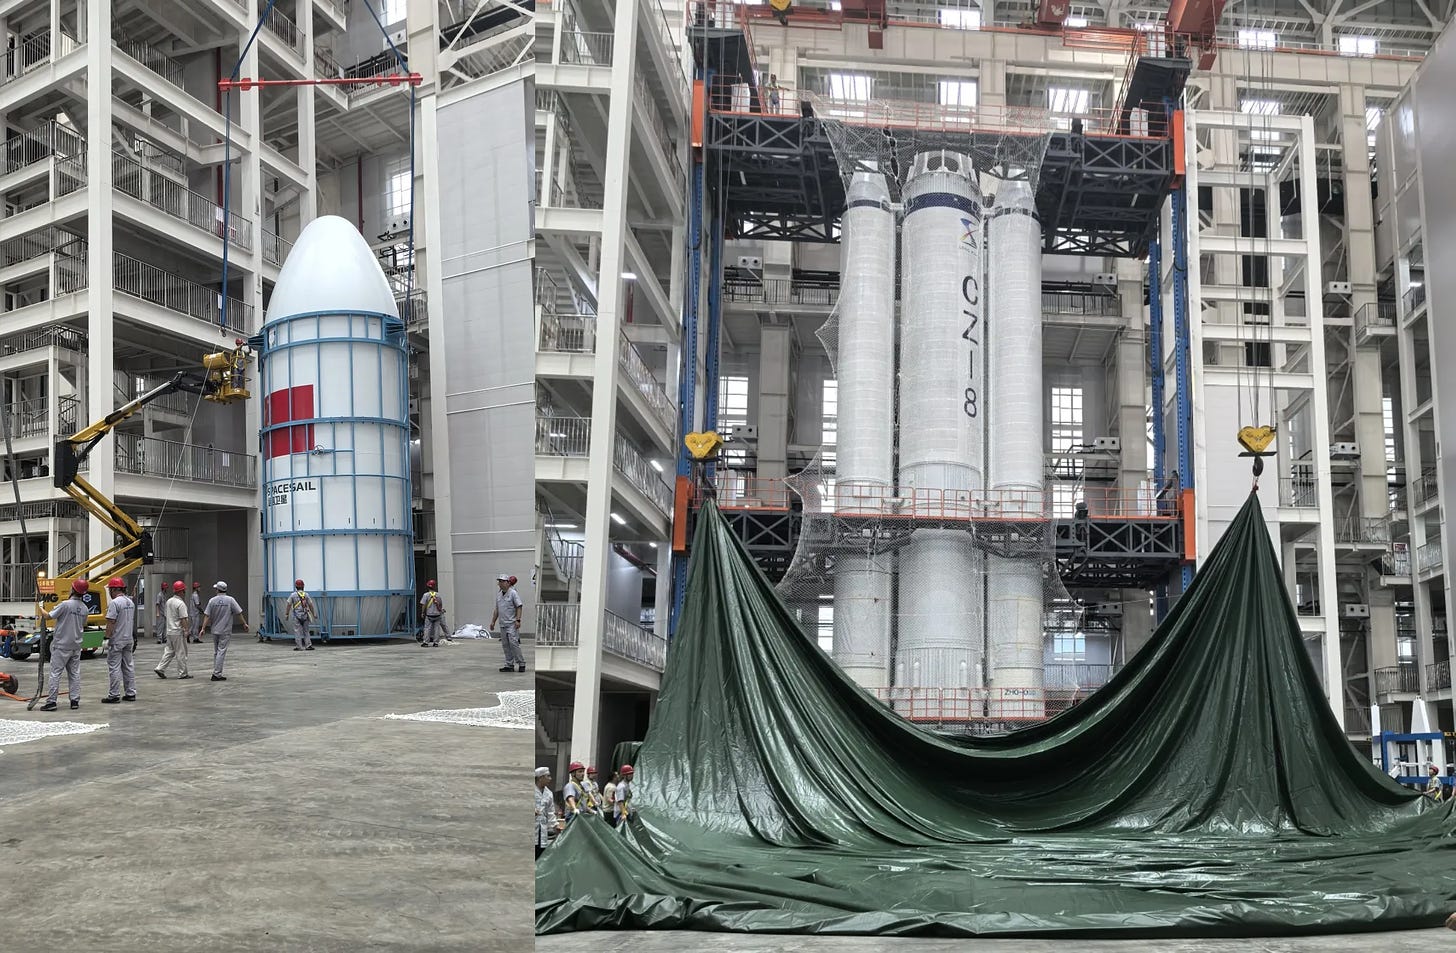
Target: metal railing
x,y
1405,677
646,383
35,53
27,148
130,177
1425,487
1428,557
779,291
150,283
1300,492
1438,675
557,623
1077,302
1396,561
414,310
629,461
178,403
171,542
32,245
1069,676
1414,298
1375,316
153,59
569,333
324,64
17,581
283,28
41,510
1364,529
29,418
582,48
563,436
70,269
71,339
70,175
568,555
659,127
632,642
168,459
275,248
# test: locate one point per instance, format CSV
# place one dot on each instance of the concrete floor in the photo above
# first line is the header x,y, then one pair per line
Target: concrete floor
x,y
273,811
670,942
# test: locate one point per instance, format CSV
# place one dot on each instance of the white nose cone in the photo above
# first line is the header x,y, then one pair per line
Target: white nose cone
x,y
331,270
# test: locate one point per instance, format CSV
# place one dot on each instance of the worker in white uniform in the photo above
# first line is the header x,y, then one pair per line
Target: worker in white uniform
x,y
220,615
300,612
546,819
195,614
120,644
593,793
178,621
433,608
508,615
70,619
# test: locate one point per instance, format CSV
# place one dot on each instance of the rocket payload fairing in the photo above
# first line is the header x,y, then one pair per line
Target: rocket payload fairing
x,y
335,440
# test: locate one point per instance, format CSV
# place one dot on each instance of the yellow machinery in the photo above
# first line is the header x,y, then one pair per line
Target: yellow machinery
x,y
224,381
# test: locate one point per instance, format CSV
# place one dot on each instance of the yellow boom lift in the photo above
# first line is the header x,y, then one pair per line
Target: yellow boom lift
x,y
223,380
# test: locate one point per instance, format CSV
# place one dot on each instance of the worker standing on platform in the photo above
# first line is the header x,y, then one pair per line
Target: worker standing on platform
x,y
120,644
221,614
70,618
508,614
178,621
195,610
300,612
434,609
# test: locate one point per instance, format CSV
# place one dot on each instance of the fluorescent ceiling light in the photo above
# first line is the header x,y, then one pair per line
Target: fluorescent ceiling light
x,y
619,519
561,526
628,276
653,545
655,465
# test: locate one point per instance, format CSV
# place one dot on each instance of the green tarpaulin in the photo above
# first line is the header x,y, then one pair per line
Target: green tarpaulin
x,y
1206,790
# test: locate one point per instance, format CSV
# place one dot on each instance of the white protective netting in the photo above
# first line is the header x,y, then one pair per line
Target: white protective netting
x,y
926,559
516,710
14,731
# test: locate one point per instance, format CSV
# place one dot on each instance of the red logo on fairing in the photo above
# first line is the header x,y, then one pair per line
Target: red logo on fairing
x,y
283,406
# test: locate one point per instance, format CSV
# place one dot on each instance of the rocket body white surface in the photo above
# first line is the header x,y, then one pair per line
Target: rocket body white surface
x,y
942,408
1015,597
335,441
865,367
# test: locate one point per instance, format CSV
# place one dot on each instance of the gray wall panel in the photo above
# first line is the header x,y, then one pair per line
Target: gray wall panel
x,y
488,355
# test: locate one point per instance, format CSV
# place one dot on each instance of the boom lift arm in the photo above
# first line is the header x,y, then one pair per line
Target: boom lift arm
x,y
224,381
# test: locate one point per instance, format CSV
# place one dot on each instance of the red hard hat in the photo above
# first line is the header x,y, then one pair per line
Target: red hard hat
x,y
179,586
80,586
514,580
575,766
298,583
627,769
116,583
591,770
430,584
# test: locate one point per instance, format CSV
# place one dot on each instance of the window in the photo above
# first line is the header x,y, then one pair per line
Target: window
x,y
1069,646
1075,23
831,414
1260,107
1358,45
825,630
1066,434
1372,122
1387,413
733,412
854,86
958,92
397,192
392,11
1061,99
1257,39
959,18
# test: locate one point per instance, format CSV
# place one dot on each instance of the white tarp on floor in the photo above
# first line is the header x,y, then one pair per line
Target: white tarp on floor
x,y
13,732
516,710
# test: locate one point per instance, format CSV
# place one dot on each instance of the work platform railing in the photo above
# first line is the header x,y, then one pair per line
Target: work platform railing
x,y
558,625
558,436
735,491
134,179
977,710
779,101
152,456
